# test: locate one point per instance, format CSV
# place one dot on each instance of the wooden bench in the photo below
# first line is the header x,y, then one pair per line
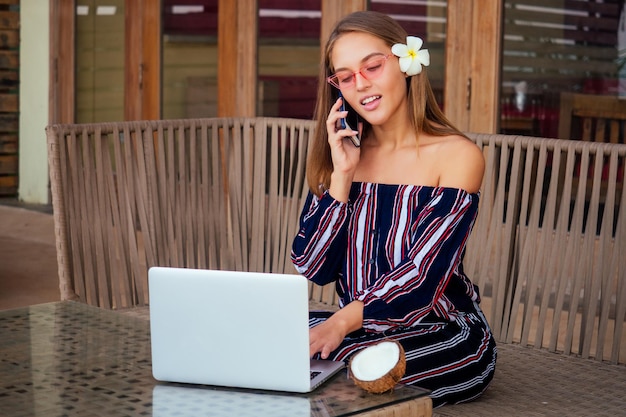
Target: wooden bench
x,y
546,251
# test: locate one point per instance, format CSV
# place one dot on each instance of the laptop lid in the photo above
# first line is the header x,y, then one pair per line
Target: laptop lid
x,y
235,329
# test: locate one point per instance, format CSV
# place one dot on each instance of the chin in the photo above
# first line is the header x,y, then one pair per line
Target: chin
x,y
379,121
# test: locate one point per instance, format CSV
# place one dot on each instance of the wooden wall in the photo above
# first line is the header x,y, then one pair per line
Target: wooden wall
x,y
9,96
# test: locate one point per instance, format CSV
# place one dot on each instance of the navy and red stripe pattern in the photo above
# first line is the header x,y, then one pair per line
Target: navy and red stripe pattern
x,y
395,247
399,249
455,360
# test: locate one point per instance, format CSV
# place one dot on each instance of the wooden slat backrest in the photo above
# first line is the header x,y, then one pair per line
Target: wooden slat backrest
x,y
487,267
560,249
205,193
546,251
277,196
536,243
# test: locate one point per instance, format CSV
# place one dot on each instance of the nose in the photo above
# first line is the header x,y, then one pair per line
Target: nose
x,y
360,81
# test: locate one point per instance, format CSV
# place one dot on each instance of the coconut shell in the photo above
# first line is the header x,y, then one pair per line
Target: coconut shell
x,y
388,381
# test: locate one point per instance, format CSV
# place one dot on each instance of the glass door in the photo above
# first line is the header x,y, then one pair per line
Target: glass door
x,y
425,19
289,57
99,61
189,48
552,48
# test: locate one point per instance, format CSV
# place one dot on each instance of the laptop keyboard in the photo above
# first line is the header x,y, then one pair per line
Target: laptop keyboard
x,y
314,374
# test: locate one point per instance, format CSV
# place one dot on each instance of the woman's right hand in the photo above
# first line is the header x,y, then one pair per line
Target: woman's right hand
x,y
328,335
344,154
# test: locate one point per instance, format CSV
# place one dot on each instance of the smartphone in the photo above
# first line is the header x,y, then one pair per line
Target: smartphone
x,y
351,121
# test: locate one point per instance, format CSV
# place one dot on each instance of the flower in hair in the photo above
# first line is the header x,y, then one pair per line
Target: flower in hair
x,y
411,58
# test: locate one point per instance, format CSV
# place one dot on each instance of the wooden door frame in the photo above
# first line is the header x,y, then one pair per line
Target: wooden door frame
x,y
62,95
332,11
473,64
142,55
237,52
142,59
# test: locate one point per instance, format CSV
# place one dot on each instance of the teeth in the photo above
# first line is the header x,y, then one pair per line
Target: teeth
x,y
369,99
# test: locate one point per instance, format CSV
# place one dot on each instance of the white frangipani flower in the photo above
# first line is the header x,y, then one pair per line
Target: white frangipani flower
x,y
411,58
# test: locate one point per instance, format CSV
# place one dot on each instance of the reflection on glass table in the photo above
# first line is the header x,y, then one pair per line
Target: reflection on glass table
x,y
70,359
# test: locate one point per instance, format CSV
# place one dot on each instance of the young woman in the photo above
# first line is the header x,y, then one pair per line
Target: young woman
x,y
388,221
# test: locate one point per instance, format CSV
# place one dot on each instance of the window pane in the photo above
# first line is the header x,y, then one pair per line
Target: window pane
x,y
99,61
189,59
427,20
552,47
289,57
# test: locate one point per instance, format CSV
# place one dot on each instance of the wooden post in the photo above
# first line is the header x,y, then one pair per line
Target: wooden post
x,y
486,65
333,11
142,60
473,56
457,80
62,62
237,65
152,66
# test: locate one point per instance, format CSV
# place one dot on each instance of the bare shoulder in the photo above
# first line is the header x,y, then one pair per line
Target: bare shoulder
x,y
463,164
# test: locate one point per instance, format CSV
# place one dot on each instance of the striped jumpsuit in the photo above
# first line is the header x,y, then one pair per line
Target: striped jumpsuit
x,y
399,250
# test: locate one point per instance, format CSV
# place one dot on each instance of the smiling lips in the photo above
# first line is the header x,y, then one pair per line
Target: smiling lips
x,y
369,100
371,103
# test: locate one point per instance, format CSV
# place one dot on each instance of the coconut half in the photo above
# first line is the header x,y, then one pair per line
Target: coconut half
x,y
378,368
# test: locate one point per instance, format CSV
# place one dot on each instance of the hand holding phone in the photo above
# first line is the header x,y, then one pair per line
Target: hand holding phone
x,y
350,122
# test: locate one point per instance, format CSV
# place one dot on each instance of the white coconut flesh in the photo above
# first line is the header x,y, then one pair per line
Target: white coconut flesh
x,y
375,361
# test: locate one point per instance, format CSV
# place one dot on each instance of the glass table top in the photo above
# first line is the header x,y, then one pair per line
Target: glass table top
x,y
71,359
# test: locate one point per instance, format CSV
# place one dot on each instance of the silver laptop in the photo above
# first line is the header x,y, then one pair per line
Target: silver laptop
x,y
234,329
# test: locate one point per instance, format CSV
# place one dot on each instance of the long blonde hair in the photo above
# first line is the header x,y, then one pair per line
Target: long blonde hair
x,y
426,116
